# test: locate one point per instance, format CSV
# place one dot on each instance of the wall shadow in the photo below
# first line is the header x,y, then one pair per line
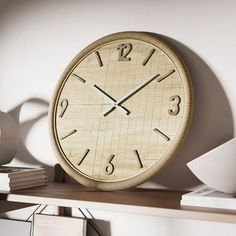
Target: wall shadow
x,y
212,122
23,154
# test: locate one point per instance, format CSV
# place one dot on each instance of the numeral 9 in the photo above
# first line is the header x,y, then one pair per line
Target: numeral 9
x,y
63,106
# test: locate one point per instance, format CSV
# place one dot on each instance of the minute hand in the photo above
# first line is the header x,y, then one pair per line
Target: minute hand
x,y
125,98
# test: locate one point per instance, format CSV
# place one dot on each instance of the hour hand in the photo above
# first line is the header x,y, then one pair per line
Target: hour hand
x,y
111,100
118,103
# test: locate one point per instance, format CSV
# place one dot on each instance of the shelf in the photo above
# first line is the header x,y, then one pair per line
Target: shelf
x,y
6,206
138,201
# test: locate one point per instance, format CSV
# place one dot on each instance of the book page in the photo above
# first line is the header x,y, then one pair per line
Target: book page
x,y
48,225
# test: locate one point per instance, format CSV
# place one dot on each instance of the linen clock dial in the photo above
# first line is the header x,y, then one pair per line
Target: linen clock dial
x,y
120,111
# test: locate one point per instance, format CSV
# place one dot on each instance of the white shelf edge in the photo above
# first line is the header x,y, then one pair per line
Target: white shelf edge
x,y
130,209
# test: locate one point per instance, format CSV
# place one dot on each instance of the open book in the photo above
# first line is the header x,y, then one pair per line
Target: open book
x,y
208,197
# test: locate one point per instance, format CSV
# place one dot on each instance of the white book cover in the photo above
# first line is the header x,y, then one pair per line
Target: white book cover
x,y
48,225
208,197
14,227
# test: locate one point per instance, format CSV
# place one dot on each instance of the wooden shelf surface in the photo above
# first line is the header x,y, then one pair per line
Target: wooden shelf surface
x,y
137,201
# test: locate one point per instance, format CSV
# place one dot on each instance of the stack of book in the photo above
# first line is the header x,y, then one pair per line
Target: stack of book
x,y
13,178
209,197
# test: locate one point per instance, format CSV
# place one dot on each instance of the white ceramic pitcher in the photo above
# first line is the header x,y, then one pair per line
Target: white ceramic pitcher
x,y
9,138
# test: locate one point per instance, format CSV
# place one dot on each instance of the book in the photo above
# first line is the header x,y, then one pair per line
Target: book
x,y
15,179
23,185
48,225
20,184
9,172
209,197
14,227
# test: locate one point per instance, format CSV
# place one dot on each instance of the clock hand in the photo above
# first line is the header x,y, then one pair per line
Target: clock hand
x,y
144,84
111,100
118,103
141,86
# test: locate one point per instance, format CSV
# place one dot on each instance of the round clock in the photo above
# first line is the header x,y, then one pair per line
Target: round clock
x,y
120,111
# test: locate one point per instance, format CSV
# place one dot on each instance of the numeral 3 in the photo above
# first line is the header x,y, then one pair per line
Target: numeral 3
x,y
175,99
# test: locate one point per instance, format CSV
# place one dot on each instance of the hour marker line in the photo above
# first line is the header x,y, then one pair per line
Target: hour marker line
x,y
148,57
99,58
79,78
165,76
161,134
68,134
139,159
85,154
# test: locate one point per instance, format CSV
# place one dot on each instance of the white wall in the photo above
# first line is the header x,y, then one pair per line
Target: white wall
x,y
39,38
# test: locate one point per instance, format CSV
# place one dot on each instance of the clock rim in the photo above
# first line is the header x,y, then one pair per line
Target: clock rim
x,y
159,42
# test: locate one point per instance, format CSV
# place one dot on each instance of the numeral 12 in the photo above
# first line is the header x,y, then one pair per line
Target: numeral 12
x,y
124,51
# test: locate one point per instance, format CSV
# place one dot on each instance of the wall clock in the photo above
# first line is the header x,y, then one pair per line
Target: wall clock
x,y
121,110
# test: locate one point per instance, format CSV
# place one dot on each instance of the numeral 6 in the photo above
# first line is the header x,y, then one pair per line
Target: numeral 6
x,y
110,167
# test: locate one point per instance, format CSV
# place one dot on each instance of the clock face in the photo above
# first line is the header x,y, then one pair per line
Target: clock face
x,y
120,111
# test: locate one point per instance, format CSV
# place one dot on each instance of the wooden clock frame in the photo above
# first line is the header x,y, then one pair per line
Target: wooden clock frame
x,y
158,42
